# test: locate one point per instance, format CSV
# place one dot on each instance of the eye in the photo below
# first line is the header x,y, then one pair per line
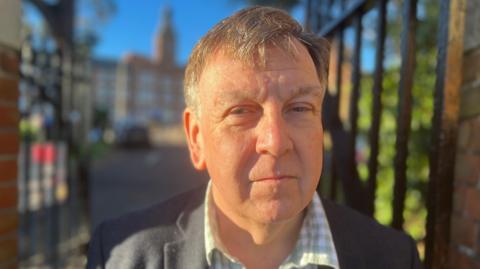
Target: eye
x,y
242,115
240,110
301,108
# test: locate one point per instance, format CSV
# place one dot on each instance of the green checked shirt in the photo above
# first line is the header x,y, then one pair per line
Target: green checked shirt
x,y
314,246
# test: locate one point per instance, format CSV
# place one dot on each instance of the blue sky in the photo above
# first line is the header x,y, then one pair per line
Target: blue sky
x,y
133,26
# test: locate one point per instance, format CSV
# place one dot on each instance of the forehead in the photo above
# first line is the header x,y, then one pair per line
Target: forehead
x,y
222,66
262,57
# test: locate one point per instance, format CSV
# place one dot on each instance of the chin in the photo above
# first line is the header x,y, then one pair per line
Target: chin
x,y
277,211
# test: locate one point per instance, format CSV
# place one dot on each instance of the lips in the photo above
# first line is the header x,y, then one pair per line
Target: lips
x,y
274,178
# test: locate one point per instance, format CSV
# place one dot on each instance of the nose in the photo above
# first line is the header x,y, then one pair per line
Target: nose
x,y
273,134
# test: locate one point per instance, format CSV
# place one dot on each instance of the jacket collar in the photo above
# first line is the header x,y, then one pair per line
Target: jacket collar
x,y
189,250
348,250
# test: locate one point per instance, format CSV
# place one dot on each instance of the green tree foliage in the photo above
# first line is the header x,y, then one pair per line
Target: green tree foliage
x,y
419,142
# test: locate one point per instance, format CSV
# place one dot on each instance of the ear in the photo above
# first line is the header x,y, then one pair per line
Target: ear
x,y
194,139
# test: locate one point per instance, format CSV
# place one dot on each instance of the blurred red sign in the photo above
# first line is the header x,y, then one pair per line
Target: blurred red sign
x,y
43,153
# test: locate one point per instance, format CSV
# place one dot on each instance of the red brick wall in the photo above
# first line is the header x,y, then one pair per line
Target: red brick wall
x,y
9,146
465,222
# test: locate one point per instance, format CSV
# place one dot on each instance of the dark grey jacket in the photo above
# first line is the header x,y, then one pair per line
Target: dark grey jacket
x,y
170,235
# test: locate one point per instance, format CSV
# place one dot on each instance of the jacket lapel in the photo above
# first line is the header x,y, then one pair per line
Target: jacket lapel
x,y
189,251
348,252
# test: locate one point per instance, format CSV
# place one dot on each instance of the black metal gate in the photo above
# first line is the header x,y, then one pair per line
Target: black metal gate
x,y
379,96
52,200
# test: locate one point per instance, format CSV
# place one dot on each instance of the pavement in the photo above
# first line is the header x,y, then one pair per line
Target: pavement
x,y
127,180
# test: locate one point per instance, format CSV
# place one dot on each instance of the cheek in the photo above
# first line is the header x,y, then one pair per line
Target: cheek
x,y
317,148
229,161
229,154
310,150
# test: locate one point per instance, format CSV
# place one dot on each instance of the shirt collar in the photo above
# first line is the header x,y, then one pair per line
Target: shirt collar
x,y
314,246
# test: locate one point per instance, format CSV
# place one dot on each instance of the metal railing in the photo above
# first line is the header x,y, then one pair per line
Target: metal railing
x,y
331,19
52,199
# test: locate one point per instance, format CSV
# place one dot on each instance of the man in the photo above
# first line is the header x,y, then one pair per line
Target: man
x,y
254,87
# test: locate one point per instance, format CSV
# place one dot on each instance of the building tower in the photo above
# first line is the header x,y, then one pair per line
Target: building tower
x,y
165,41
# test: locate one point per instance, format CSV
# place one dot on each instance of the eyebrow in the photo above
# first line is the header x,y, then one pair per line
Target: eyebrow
x,y
305,90
247,95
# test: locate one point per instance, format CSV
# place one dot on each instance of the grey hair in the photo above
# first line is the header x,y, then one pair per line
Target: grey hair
x,y
244,36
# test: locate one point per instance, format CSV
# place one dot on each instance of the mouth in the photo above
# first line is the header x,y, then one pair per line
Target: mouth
x,y
274,178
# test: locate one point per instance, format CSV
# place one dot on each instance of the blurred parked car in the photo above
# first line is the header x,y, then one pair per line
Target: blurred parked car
x,y
132,135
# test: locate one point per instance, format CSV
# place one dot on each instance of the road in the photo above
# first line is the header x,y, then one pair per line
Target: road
x,y
126,180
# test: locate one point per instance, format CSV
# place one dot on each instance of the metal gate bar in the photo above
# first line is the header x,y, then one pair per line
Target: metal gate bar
x,y
404,116
376,106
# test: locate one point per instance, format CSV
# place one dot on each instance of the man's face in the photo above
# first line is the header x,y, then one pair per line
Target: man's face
x,y
259,134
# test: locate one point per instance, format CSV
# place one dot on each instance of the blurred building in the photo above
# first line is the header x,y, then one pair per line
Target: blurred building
x,y
104,81
140,88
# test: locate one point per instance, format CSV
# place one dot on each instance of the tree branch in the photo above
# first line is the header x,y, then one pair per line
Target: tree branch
x,y
46,9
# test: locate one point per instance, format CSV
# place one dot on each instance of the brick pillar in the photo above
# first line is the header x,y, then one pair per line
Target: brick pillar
x,y
465,223
9,136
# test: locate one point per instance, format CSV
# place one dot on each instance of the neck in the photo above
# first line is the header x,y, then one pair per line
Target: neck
x,y
250,242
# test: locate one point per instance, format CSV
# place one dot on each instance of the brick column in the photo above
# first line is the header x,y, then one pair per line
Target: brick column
x,y
465,223
9,136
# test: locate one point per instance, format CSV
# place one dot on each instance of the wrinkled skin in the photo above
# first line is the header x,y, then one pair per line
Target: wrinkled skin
x,y
259,134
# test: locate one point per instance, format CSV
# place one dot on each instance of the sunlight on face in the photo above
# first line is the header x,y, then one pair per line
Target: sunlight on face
x,y
261,135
